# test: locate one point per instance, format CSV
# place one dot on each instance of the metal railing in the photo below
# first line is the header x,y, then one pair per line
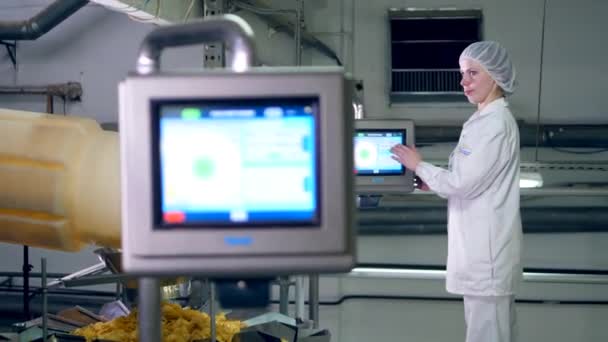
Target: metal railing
x,y
421,274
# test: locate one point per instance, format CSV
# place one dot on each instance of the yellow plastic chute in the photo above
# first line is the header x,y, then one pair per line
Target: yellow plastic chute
x,y
59,181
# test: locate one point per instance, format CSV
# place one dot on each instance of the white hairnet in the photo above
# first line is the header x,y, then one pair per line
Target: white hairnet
x,y
495,59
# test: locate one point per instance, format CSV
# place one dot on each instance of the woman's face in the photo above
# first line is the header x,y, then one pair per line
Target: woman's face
x,y
476,82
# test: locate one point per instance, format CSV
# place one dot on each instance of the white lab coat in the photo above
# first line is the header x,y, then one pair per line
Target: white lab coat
x,y
490,319
482,188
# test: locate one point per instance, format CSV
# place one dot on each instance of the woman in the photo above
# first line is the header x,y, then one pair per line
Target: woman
x,y
482,188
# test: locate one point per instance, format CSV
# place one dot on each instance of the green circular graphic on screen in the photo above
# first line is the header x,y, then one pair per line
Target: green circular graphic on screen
x,y
365,154
204,168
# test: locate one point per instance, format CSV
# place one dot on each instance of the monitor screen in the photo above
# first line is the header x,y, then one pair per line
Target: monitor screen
x,y
236,162
228,174
372,152
375,169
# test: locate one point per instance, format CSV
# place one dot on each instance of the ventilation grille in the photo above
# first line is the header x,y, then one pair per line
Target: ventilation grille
x,y
416,81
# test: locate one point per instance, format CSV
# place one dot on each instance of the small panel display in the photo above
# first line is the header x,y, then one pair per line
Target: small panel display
x,y
372,152
237,162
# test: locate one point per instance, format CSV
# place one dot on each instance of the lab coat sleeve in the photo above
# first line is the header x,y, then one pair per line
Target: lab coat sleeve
x,y
473,171
440,194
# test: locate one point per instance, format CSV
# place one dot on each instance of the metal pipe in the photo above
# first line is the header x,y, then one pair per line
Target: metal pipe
x,y
118,291
204,291
433,220
565,278
149,310
70,90
436,134
441,229
574,136
229,29
392,273
89,271
212,310
542,192
26,268
284,295
402,229
421,274
564,192
42,22
50,105
313,299
547,135
31,274
547,215
299,295
35,291
45,308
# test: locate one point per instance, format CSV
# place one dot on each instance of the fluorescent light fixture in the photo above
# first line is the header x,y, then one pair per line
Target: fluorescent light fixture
x,y
530,180
403,273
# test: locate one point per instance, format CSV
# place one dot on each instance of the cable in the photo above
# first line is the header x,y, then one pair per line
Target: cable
x,y
189,10
540,81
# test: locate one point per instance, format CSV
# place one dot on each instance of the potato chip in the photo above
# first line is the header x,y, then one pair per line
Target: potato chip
x,y
178,325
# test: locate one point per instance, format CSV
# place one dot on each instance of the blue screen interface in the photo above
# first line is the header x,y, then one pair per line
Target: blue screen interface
x,y
239,162
372,152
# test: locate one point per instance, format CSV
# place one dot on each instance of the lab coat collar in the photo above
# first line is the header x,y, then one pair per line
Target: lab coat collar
x,y
492,106
489,108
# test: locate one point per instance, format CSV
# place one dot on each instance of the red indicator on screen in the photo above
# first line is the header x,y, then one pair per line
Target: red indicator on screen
x,y
174,217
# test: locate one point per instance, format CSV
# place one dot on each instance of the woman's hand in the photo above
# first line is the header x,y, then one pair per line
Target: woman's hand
x,y
407,156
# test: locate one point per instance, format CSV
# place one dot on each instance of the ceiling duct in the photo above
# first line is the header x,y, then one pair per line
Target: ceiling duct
x,y
275,18
42,22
